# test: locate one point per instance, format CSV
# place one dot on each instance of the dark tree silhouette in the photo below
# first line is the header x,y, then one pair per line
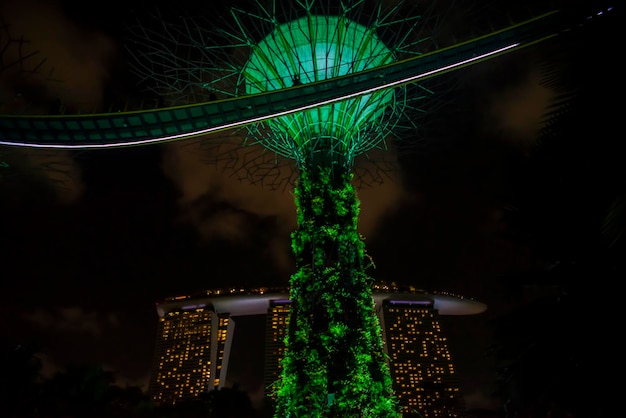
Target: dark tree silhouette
x,y
554,353
89,391
20,372
80,390
230,403
226,402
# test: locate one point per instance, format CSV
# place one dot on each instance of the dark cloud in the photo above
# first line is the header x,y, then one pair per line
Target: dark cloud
x,y
73,320
77,58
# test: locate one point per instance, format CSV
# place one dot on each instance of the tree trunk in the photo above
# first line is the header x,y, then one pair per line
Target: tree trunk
x,y
334,364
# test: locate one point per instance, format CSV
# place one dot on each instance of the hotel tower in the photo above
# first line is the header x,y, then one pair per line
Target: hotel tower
x,y
195,334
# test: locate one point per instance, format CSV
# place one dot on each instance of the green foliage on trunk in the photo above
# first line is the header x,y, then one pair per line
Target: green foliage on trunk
x,y
334,363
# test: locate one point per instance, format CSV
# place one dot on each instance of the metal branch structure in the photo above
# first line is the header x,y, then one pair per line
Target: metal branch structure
x,y
15,61
15,54
23,69
190,60
319,82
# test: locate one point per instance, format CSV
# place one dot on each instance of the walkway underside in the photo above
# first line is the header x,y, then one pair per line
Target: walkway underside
x,y
170,124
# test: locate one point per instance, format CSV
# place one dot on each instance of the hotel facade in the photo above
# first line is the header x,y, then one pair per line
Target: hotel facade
x,y
195,334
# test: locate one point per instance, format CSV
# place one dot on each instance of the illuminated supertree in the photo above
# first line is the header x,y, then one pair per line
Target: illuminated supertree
x,y
321,83
334,363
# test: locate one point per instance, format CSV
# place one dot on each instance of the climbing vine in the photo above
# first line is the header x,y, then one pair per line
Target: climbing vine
x,y
334,363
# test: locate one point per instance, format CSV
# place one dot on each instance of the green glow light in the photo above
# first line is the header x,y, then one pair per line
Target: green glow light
x,y
315,48
334,363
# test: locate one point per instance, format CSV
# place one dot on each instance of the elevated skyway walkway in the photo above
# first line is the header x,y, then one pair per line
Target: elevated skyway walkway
x,y
169,124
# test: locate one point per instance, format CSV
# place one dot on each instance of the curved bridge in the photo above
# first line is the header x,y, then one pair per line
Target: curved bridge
x,y
169,124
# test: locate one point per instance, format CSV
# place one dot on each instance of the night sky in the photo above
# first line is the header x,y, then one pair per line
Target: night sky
x,y
90,240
